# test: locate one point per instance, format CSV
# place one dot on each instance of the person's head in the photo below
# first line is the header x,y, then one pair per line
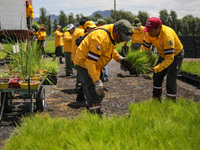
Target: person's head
x,y
89,26
58,27
100,22
42,28
83,20
122,31
137,23
153,26
27,3
70,28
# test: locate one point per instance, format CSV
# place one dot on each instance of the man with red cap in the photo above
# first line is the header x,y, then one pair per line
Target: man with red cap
x,y
29,14
171,53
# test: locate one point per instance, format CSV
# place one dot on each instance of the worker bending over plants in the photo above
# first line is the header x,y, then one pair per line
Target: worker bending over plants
x,y
95,52
171,53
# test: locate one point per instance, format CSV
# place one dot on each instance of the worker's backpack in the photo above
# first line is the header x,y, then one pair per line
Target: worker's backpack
x,y
80,38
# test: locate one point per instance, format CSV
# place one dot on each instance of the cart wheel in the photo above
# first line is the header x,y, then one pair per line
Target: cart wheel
x,y
40,99
8,101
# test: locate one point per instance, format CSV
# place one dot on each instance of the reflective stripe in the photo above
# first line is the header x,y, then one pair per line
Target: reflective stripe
x,y
146,44
94,107
168,51
171,95
93,56
158,88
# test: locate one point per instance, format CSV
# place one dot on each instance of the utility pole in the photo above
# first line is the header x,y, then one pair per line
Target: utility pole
x,y
115,10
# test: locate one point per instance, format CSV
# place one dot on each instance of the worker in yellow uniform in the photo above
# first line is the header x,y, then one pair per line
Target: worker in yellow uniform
x,y
138,36
68,48
29,14
99,23
171,53
59,43
95,52
80,31
41,36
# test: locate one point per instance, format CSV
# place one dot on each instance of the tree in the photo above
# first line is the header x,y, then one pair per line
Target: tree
x,y
43,16
71,18
173,20
188,25
55,23
164,16
48,26
109,20
143,17
62,18
123,15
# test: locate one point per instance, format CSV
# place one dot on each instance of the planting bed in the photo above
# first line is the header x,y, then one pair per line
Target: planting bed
x,y
122,90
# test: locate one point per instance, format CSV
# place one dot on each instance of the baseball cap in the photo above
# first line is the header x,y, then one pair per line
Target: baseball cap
x,y
27,2
152,23
70,26
100,21
89,24
137,23
43,28
125,29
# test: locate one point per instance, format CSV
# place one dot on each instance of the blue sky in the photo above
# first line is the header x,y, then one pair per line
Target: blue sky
x,y
87,7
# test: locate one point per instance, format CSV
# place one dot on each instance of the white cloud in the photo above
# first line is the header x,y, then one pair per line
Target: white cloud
x,y
87,7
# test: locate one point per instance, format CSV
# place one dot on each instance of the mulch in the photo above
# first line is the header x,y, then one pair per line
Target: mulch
x,y
122,89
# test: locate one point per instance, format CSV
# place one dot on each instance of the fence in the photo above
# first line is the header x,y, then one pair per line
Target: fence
x,y
191,45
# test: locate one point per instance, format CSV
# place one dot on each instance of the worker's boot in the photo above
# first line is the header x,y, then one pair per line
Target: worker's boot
x,y
95,109
171,97
61,62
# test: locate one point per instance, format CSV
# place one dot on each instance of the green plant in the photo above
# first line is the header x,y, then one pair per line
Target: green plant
x,y
51,66
142,61
26,60
191,67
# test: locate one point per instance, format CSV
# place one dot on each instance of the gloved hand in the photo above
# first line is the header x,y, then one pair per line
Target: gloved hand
x,y
99,88
121,59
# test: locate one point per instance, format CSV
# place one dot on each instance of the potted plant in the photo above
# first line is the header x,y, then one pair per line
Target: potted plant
x,y
52,68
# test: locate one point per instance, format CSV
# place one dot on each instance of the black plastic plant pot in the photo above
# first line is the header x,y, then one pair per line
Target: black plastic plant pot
x,y
51,79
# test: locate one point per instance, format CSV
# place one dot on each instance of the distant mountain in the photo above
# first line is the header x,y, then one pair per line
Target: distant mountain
x,y
52,18
105,14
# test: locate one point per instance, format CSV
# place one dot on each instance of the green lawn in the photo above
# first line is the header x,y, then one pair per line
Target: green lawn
x,y
149,125
191,67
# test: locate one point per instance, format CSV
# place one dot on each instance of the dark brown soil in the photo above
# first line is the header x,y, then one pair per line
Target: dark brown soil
x,y
122,90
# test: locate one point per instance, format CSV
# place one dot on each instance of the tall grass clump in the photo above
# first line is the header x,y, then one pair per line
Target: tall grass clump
x,y
191,67
150,125
27,60
142,61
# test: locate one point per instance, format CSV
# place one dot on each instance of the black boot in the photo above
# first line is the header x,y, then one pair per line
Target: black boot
x,y
61,62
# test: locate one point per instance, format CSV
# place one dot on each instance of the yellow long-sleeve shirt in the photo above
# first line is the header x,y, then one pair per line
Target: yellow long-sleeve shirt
x,y
67,42
167,44
29,11
58,38
138,36
78,32
41,35
95,51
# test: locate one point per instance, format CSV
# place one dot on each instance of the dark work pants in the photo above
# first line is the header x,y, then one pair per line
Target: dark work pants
x,y
68,63
135,46
172,75
88,87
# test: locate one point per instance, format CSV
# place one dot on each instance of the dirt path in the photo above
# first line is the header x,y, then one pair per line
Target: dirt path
x,y
122,90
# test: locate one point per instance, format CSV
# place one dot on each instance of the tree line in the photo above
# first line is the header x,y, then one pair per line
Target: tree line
x,y
187,26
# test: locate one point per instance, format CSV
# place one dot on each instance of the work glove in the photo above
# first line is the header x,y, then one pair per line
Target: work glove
x,y
99,88
124,62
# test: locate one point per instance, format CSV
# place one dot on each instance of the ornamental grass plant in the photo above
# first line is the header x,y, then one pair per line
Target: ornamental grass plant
x,y
142,61
149,125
